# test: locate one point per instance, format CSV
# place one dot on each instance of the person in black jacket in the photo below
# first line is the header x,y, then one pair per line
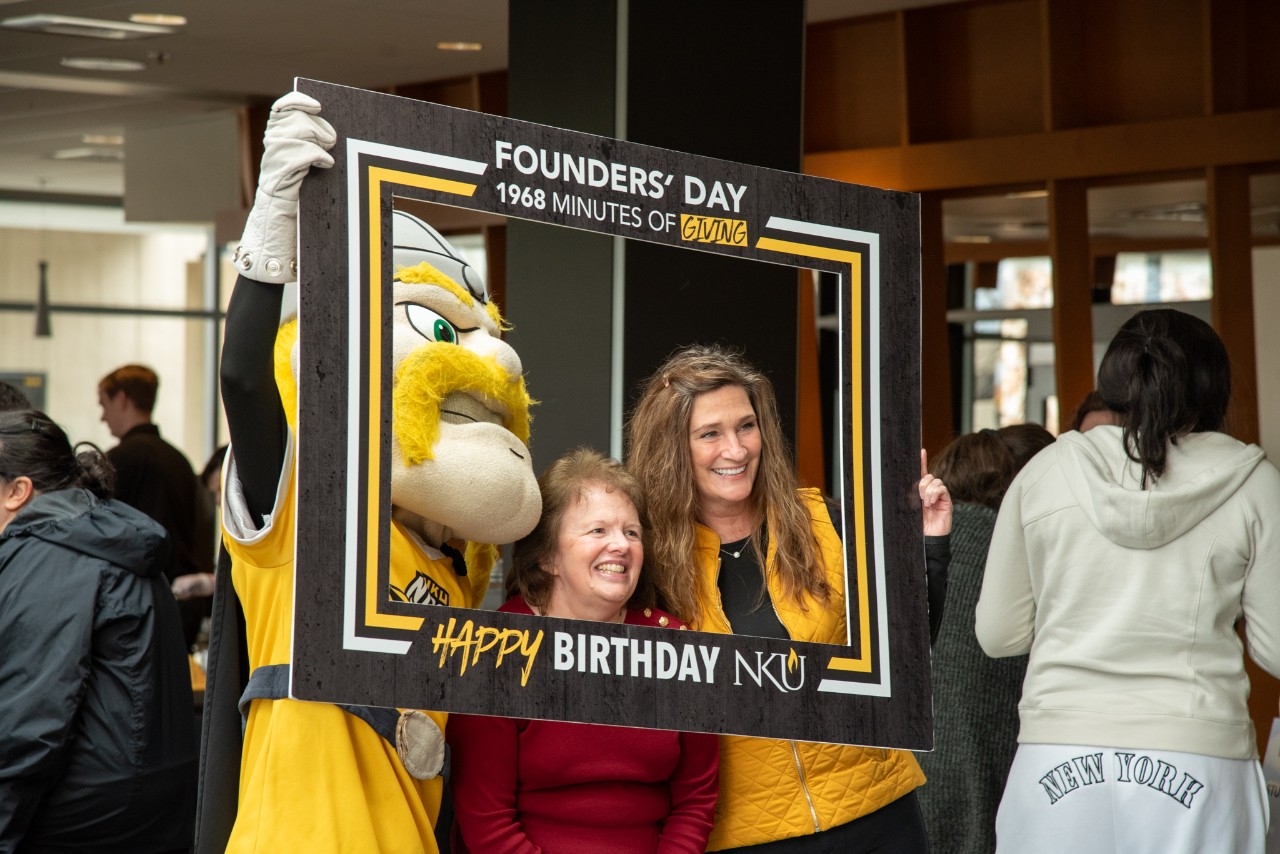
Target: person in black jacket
x,y
156,478
97,738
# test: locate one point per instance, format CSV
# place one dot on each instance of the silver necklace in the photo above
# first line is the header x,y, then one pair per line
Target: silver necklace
x,y
741,546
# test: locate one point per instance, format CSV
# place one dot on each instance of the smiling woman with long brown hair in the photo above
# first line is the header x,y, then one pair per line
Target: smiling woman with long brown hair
x,y
740,548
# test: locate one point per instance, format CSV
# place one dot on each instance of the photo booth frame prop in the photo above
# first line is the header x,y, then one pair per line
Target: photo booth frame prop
x,y
352,644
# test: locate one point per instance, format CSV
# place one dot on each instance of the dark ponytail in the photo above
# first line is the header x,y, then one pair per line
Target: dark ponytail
x,y
1167,374
32,445
96,472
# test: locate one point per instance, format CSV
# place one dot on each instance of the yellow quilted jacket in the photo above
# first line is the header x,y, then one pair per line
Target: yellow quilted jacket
x,y
774,789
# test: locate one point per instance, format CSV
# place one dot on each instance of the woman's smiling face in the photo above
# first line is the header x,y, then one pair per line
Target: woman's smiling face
x,y
599,553
724,448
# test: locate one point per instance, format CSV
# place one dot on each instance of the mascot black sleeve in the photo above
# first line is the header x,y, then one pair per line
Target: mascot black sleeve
x,y
255,415
259,435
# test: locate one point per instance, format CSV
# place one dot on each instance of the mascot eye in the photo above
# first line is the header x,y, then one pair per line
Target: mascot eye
x,y
430,325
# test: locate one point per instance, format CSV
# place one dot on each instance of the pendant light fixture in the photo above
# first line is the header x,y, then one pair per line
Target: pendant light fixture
x,y
44,329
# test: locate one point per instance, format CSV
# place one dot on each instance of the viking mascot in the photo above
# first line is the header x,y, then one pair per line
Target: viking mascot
x,y
317,777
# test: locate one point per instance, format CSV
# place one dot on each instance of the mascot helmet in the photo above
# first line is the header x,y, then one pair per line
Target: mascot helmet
x,y
414,241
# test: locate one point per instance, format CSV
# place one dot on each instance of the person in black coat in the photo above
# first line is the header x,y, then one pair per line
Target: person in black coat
x,y
155,477
97,738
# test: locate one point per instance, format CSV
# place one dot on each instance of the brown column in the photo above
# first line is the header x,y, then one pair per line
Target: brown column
x,y
495,248
1230,252
1072,289
811,464
935,358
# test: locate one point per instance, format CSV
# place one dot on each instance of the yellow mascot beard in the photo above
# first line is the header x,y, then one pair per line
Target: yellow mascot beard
x,y
446,383
458,457
436,373
460,427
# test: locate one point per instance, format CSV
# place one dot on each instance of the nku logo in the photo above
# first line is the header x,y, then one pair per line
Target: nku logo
x,y
785,672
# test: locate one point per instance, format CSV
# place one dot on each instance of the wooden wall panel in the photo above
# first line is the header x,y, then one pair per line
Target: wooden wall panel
x,y
958,59
853,84
1062,40
1120,151
1227,62
485,92
1262,76
455,92
1242,39
1142,59
989,68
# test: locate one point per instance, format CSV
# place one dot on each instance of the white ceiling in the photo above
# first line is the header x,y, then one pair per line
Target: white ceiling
x,y
236,52
230,53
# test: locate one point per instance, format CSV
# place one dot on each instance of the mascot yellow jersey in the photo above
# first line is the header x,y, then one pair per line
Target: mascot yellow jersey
x,y
315,777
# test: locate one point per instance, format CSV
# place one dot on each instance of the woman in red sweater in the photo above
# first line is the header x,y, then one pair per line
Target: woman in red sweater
x,y
529,786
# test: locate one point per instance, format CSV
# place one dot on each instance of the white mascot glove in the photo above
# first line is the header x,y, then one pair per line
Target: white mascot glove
x,y
296,139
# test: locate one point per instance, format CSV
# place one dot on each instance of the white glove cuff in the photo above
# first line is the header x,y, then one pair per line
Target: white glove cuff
x,y
269,247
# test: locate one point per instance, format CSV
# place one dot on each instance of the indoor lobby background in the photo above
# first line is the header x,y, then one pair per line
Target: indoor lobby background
x,y
1076,160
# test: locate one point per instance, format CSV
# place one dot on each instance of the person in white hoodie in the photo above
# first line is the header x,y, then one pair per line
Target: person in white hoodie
x,y
1122,560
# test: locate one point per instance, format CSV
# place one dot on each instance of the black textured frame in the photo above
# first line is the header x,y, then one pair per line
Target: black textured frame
x,y
353,645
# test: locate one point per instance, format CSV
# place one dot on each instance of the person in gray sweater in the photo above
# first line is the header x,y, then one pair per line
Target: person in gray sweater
x,y
975,698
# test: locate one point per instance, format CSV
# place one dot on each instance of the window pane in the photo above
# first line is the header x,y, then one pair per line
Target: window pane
x,y
1000,376
1161,277
1020,283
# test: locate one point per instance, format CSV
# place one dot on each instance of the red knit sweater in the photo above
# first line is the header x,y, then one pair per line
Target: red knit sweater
x,y
530,786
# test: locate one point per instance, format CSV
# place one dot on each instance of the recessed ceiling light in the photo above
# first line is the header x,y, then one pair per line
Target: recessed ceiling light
x,y
159,19
102,139
458,46
1028,194
102,63
64,25
105,155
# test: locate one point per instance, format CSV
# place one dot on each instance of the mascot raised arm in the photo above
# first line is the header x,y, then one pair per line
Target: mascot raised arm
x,y
317,777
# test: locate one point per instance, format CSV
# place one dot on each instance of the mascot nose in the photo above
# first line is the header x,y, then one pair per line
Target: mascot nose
x,y
500,351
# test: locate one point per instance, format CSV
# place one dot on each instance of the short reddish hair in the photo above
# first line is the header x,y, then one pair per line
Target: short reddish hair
x,y
138,382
